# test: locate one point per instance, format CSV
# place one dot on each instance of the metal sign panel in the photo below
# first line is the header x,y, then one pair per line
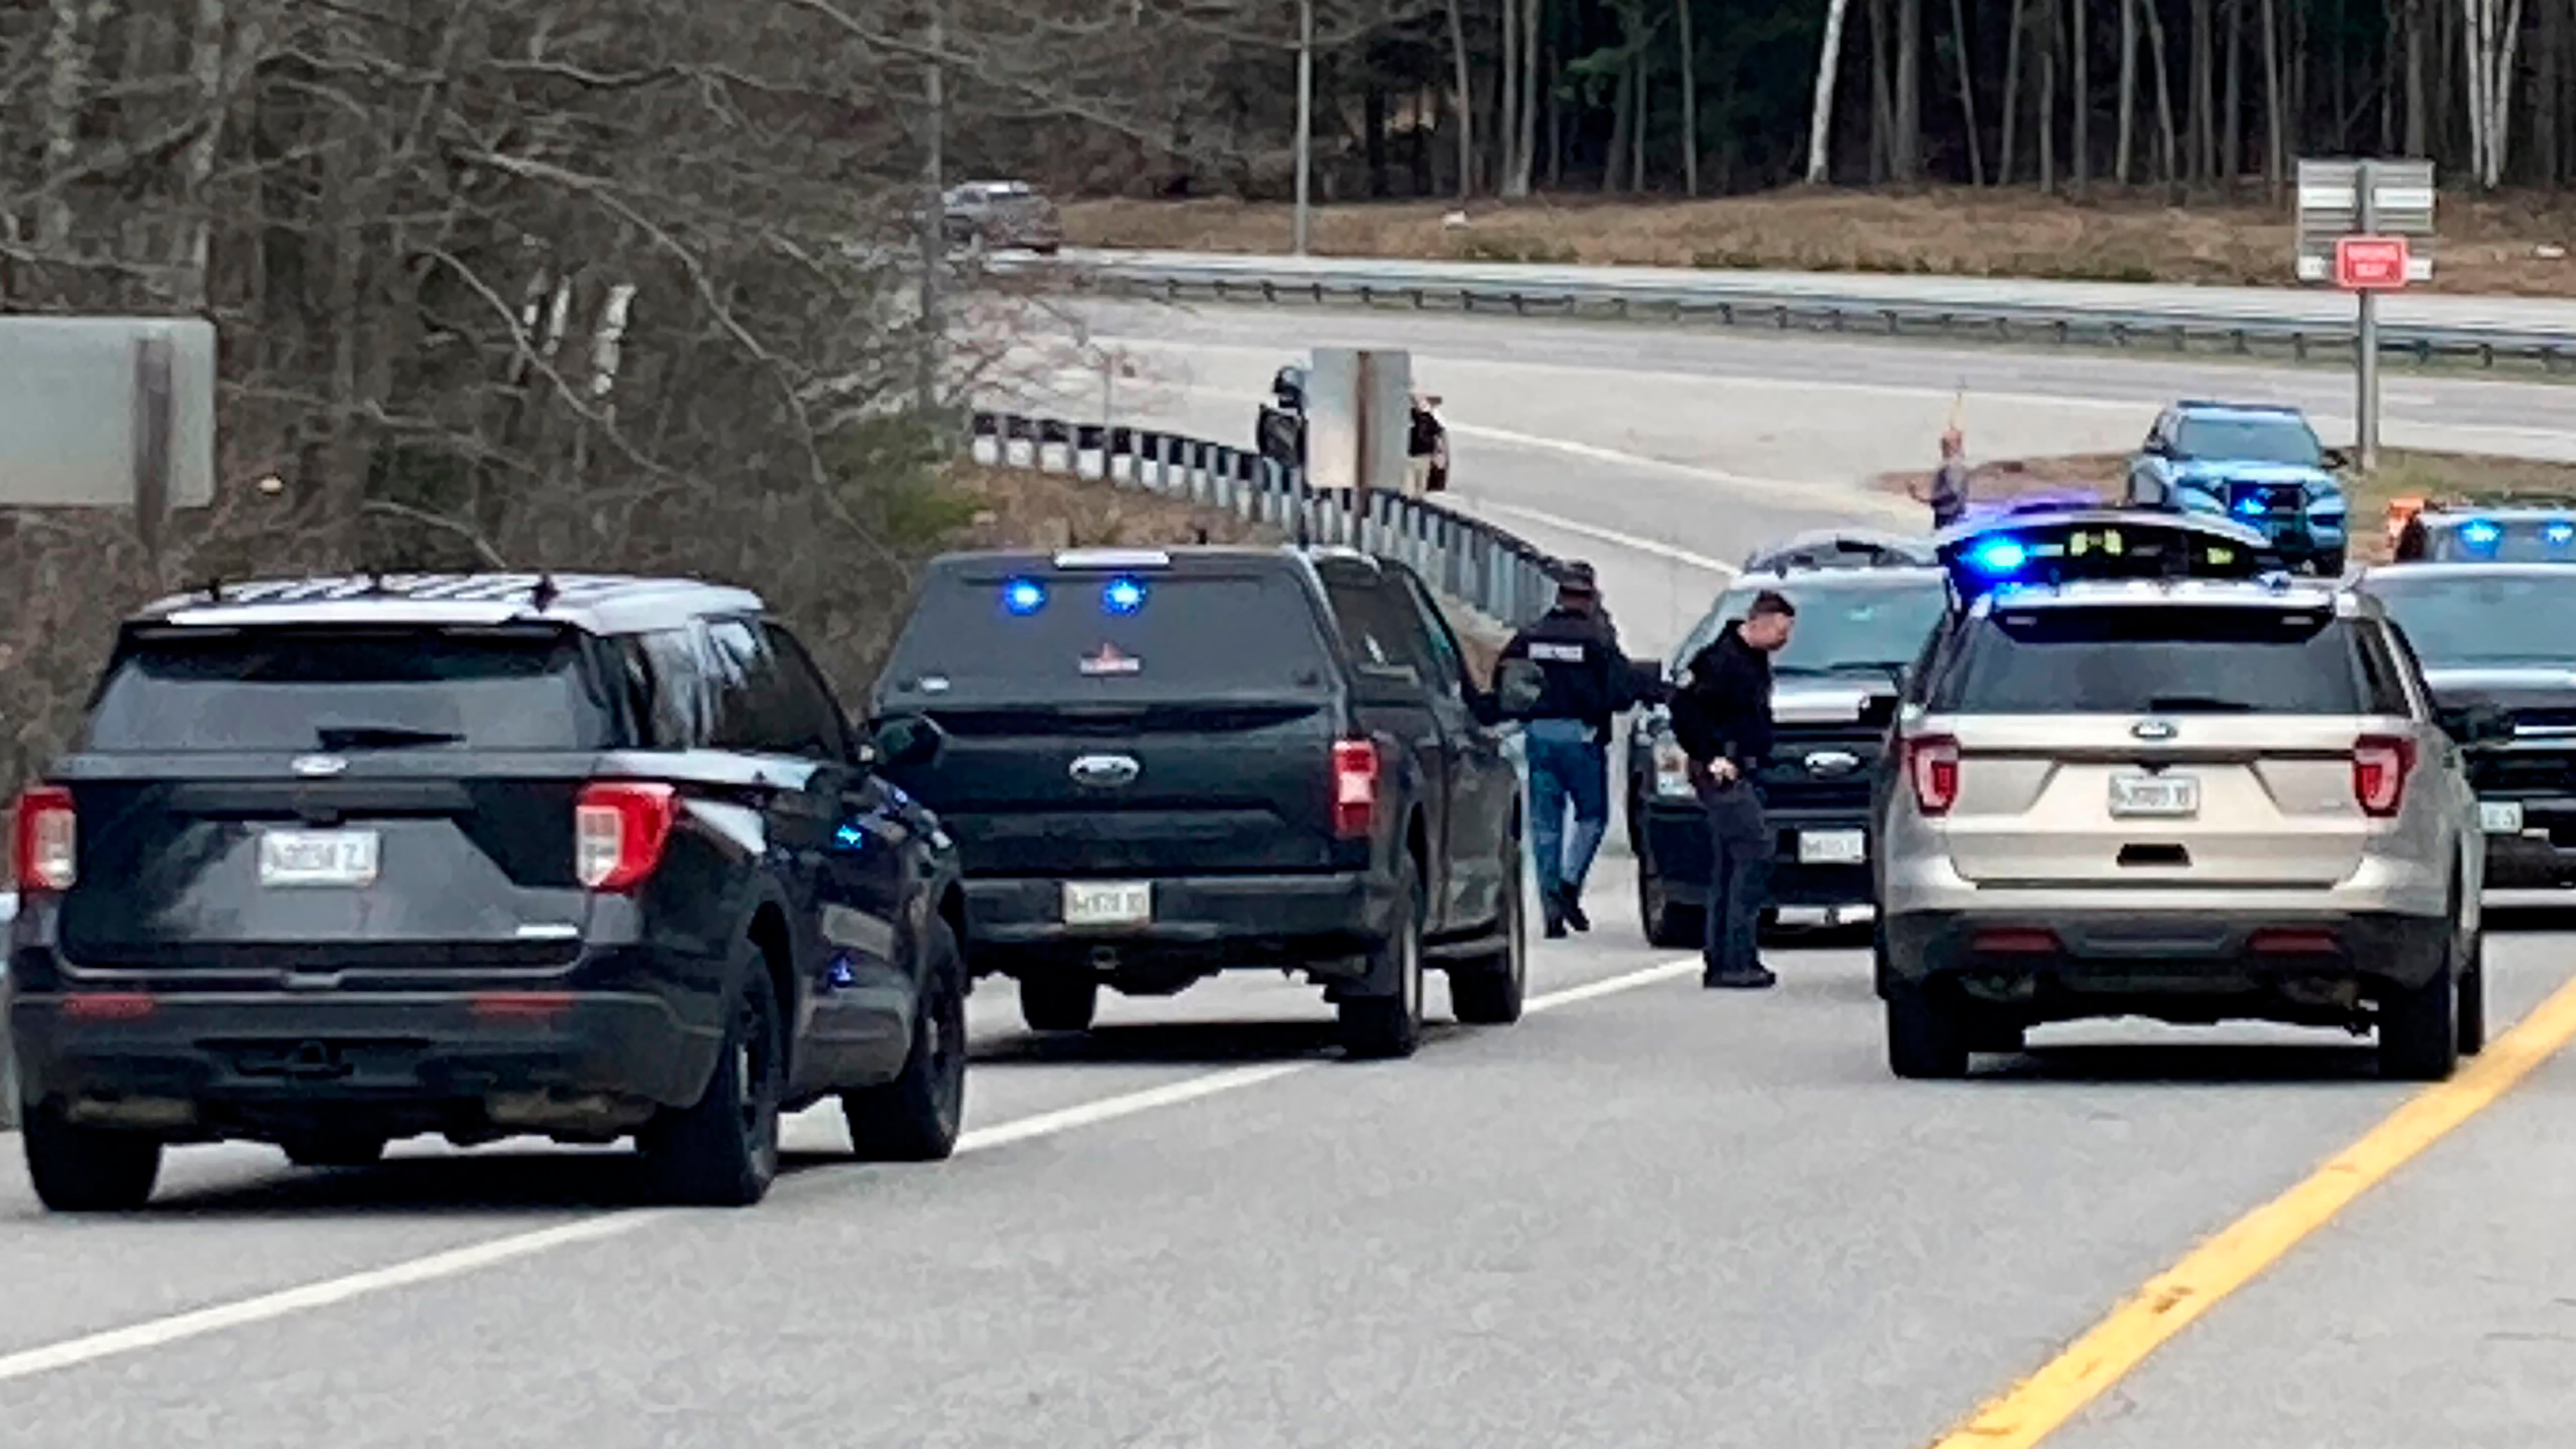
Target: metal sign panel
x,y
2329,209
107,412
1359,417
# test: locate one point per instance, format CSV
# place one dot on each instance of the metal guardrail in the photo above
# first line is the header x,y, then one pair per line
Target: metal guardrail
x,y
1972,313
1492,571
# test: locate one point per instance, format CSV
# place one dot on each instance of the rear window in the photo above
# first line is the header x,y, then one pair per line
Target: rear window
x,y
343,690
2164,660
1864,629
2505,540
1049,635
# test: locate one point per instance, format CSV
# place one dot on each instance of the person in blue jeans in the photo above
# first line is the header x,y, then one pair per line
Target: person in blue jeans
x,y
1584,681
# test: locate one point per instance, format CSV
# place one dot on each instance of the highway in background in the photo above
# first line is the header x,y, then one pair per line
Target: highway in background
x,y
1646,1216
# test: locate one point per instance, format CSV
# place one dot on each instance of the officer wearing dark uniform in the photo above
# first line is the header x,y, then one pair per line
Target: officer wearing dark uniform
x,y
1722,720
1584,682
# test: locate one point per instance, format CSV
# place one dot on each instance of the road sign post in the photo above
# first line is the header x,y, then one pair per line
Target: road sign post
x,y
2366,227
108,412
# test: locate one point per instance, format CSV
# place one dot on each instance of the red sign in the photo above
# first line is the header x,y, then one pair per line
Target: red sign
x,y
2370,263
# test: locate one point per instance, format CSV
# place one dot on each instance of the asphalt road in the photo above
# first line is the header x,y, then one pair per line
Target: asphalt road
x,y
1647,1215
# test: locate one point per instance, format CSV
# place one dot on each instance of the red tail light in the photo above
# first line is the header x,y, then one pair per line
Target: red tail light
x,y
2294,941
2014,942
1355,782
46,843
2380,765
1932,763
619,831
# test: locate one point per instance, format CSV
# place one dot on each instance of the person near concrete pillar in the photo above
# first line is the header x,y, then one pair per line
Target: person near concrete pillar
x,y
1426,450
1947,493
1584,684
1722,720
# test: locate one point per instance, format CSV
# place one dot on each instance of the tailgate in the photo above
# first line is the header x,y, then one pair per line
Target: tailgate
x,y
1167,789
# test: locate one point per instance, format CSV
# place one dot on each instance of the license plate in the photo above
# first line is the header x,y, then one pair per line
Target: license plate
x,y
1108,903
1831,847
2500,817
2155,795
318,857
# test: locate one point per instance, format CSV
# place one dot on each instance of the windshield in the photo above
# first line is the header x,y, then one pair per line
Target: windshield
x,y
2472,619
349,689
2250,440
1049,636
1859,630
2156,660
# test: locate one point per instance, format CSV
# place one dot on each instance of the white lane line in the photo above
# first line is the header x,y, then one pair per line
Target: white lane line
x,y
1610,536
455,1262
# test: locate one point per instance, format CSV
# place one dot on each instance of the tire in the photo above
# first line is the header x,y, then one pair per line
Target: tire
x,y
2419,1028
722,1151
2473,998
1489,992
916,1117
87,1169
1925,1037
2330,565
335,1149
1059,1001
1668,927
1380,1028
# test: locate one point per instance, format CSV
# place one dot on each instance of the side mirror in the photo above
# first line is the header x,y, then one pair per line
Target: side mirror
x,y
2155,447
2336,459
904,741
1517,686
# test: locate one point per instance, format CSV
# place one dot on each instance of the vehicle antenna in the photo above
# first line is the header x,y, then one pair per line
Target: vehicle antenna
x,y
545,593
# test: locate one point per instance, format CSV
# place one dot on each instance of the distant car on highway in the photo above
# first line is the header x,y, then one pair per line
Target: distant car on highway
x,y
1163,765
2502,530
997,215
1835,692
2259,464
339,861
2194,798
2497,652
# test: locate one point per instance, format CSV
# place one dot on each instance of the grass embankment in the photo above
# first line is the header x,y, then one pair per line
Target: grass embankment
x,y
2515,245
2402,474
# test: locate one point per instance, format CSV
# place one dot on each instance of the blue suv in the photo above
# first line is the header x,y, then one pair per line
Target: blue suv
x,y
2259,464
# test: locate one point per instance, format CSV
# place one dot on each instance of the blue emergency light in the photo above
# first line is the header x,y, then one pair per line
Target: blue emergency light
x,y
1122,596
2251,507
1023,596
2478,533
1999,556
2561,532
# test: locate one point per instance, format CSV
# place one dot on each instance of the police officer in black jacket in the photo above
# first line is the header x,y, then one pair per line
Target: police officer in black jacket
x,y
1722,719
1584,682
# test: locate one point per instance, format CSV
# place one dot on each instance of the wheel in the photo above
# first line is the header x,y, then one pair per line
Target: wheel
x,y
1059,1001
1380,1027
1668,926
722,1151
87,1169
1924,1036
2419,1027
915,1117
2329,565
2473,998
1488,992
334,1149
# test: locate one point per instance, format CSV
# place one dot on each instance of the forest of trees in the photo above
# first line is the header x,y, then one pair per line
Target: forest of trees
x,y
1703,97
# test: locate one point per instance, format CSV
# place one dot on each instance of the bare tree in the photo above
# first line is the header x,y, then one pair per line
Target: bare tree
x,y
1829,59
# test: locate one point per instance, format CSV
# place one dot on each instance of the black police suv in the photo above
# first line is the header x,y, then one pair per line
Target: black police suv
x,y
339,861
2493,641
1833,693
1166,764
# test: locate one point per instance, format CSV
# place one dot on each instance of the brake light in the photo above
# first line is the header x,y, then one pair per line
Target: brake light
x,y
46,843
2014,941
1355,781
618,833
1932,763
2294,941
2380,765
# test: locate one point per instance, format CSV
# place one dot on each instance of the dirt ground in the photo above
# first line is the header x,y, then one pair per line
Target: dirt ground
x,y
2513,244
2401,474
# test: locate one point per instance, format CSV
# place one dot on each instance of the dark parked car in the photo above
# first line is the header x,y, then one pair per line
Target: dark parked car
x,y
1834,692
1164,765
339,861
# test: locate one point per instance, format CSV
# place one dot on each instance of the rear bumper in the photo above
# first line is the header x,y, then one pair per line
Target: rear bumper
x,y
1321,922
259,1063
1679,853
2533,859
2035,956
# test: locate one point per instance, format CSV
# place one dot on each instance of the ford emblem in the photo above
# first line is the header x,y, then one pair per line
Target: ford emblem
x,y
1106,772
318,767
1832,762
2153,729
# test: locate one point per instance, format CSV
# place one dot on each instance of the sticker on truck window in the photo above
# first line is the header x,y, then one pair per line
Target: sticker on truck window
x,y
1111,660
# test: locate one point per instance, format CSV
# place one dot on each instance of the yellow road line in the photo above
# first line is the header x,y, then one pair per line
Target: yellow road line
x,y
2037,1406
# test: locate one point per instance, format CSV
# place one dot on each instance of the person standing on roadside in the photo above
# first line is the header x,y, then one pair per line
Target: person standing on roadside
x,y
1427,450
1947,494
1722,720
1583,683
